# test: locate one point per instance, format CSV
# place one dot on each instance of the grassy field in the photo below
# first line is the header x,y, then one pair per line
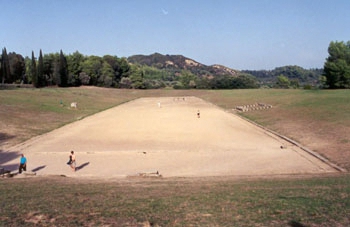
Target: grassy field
x,y
317,119
286,201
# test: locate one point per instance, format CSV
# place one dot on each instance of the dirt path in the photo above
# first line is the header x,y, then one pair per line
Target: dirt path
x,y
165,135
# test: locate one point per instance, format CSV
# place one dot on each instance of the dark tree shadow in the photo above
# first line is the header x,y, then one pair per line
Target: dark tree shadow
x,y
12,167
295,224
7,157
38,168
4,137
81,166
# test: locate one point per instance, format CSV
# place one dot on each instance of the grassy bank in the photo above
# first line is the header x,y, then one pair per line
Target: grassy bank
x,y
318,119
292,201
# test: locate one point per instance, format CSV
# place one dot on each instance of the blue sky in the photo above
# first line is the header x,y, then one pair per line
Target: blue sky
x,y
245,34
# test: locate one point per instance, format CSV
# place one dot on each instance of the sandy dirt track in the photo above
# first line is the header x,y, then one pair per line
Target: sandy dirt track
x,y
164,134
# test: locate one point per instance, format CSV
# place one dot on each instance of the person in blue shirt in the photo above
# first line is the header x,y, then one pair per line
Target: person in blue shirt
x,y
22,164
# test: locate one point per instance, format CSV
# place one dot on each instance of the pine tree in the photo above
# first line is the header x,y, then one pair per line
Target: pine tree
x,y
337,66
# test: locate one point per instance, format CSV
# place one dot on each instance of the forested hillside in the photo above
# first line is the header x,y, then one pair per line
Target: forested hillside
x,y
176,63
288,76
281,77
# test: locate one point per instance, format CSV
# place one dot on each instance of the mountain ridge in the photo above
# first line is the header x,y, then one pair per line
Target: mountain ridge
x,y
180,62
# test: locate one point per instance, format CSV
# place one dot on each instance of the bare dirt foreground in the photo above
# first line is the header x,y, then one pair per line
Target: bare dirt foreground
x,y
164,134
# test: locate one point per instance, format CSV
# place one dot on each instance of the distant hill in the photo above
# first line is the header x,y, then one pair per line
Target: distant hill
x,y
179,63
293,73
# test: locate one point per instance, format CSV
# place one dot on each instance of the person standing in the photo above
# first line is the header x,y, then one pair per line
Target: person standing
x,y
72,160
22,164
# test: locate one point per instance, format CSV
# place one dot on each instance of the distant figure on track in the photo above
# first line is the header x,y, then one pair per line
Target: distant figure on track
x,y
198,114
72,161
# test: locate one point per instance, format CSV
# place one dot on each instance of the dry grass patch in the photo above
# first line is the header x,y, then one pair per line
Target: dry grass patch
x,y
281,201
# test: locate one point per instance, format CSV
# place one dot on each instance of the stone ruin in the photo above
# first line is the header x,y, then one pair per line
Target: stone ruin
x,y
253,107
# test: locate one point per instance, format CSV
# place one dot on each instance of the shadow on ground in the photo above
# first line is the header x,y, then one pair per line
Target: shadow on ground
x,y
295,224
82,166
38,168
7,157
4,137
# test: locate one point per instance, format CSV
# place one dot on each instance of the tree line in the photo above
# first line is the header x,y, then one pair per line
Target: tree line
x,y
57,69
288,77
76,69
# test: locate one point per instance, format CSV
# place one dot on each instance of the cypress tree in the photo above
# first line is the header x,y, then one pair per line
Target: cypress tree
x,y
5,66
63,71
41,78
33,72
1,67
